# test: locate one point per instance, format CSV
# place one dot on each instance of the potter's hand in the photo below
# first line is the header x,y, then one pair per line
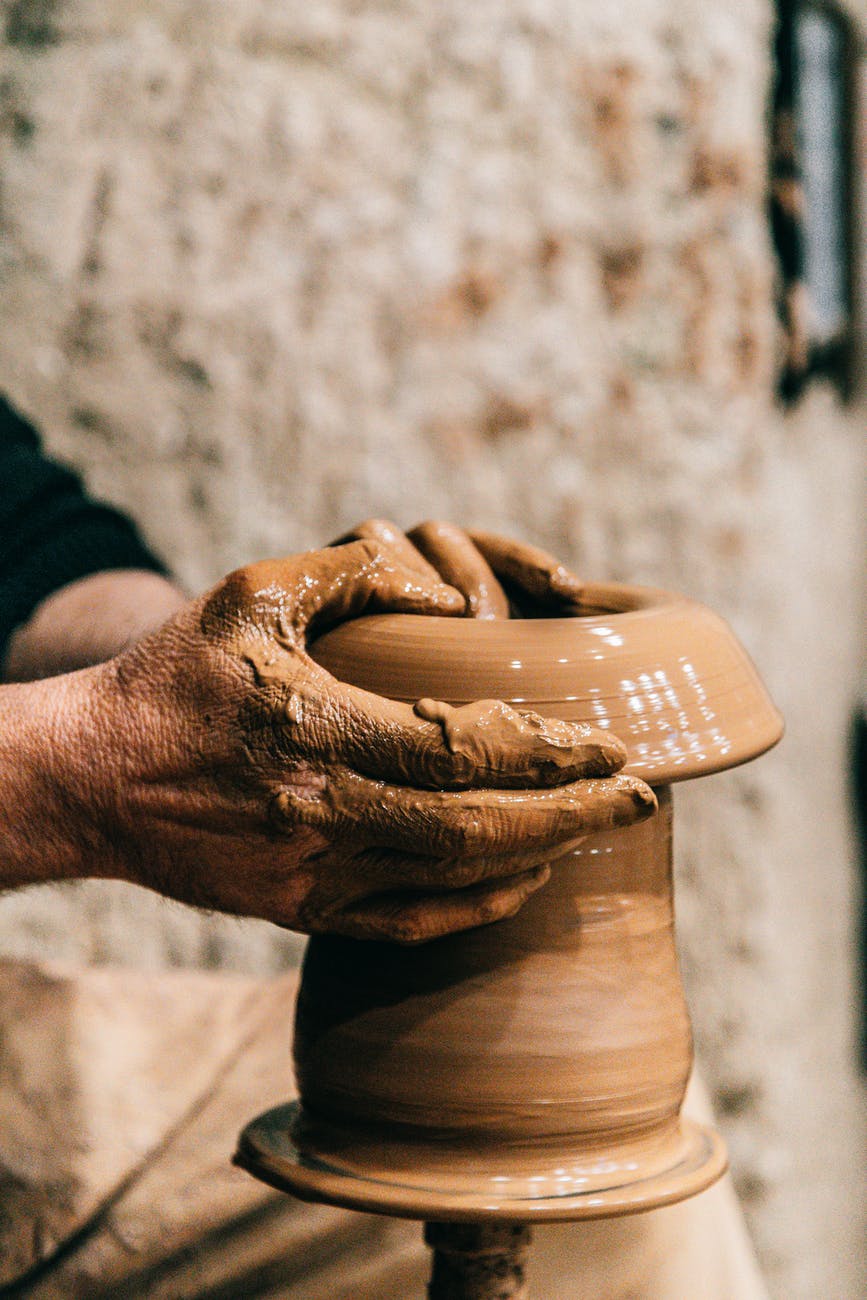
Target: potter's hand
x,y
243,777
496,575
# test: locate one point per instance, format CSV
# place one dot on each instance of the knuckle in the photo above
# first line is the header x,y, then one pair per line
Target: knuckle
x,y
406,930
466,834
223,602
281,809
455,874
455,769
489,910
288,809
372,549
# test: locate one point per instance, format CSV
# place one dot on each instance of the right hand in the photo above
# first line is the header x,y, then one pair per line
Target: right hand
x,y
231,771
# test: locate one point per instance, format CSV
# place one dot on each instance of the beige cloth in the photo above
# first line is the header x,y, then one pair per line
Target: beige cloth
x,y
121,1095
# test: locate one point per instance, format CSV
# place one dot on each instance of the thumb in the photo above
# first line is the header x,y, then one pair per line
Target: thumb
x,y
289,597
367,577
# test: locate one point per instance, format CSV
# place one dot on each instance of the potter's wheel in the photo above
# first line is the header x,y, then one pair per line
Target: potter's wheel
x,y
319,1162
530,1071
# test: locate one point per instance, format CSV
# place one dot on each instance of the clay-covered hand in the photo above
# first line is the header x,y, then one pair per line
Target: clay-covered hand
x,y
498,576
243,777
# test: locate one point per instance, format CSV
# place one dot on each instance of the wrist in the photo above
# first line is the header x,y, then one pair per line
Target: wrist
x,y
52,783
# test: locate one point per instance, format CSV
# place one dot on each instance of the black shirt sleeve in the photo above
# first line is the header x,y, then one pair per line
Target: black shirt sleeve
x,y
51,531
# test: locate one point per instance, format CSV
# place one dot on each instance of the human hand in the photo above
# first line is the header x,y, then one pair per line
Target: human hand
x,y
239,775
498,576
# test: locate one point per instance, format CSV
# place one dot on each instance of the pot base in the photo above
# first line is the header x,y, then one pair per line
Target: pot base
x,y
536,1183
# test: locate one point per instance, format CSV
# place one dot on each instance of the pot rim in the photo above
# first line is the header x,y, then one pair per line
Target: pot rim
x,y
658,669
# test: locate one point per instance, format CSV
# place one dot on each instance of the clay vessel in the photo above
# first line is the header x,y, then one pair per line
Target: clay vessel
x,y
533,1069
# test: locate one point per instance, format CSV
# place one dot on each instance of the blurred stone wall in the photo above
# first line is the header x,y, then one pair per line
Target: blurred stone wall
x,y
268,269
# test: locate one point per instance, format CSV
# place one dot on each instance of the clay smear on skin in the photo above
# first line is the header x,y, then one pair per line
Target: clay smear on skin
x,y
487,732
499,745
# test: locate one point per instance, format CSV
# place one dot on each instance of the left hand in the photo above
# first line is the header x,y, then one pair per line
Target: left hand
x,y
222,766
498,576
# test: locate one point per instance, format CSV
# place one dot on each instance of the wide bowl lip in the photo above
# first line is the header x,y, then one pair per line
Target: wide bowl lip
x,y
613,608
633,602
630,598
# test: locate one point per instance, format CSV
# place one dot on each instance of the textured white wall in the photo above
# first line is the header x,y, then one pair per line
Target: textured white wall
x,y
268,269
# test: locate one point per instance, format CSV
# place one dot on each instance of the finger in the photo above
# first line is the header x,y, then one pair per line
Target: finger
x,y
362,577
410,919
530,572
383,530
462,565
488,731
438,746
283,597
461,835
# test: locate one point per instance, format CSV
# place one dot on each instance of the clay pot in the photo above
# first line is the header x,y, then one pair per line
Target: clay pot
x,y
533,1069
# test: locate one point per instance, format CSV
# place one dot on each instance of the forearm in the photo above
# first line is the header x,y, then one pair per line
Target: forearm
x,y
47,828
51,734
89,621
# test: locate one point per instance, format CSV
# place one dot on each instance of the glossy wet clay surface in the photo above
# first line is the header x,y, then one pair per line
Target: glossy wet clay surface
x,y
532,1069
664,674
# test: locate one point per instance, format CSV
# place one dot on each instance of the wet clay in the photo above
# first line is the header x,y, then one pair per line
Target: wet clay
x,y
514,1031
533,1070
403,820
662,673
484,731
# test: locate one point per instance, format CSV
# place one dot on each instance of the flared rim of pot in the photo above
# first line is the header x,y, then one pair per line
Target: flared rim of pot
x,y
663,673
420,1183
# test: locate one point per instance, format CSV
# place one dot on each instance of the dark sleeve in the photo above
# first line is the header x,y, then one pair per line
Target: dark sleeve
x,y
51,531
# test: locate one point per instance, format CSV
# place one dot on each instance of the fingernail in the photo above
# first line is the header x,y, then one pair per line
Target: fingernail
x,y
566,585
451,598
642,797
613,751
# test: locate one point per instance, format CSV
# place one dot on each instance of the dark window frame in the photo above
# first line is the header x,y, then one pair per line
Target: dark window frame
x,y
806,357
